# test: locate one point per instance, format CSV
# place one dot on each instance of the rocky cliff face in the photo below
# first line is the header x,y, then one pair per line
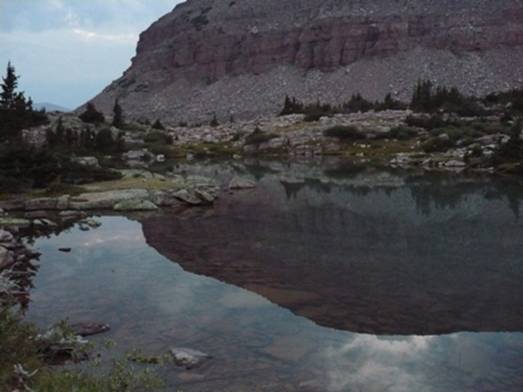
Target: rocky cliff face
x,y
241,57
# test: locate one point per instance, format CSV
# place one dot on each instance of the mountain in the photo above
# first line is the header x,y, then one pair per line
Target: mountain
x,y
242,57
50,107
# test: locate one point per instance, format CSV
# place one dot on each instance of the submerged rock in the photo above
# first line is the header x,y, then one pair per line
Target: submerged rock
x,y
89,329
188,358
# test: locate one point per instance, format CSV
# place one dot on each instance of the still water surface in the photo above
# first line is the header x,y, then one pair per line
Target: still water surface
x,y
331,282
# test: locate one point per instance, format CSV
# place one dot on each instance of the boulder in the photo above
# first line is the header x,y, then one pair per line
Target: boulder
x,y
6,257
6,237
67,216
135,205
164,199
138,155
241,183
189,197
455,164
188,358
41,204
87,161
205,196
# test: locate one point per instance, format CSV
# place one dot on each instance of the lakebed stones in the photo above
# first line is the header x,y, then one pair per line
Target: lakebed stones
x,y
188,358
17,265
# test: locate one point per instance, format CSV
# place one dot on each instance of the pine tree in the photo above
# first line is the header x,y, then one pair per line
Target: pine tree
x,y
118,118
158,125
214,122
9,85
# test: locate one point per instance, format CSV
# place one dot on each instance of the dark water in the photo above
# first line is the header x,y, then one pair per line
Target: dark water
x,y
337,281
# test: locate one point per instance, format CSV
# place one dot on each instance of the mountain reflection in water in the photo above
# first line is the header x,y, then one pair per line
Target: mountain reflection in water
x,y
409,255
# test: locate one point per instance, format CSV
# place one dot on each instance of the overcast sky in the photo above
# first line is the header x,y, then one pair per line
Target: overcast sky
x,y
66,51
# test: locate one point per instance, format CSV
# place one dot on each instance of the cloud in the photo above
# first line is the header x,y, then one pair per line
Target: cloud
x,y
68,51
368,362
117,38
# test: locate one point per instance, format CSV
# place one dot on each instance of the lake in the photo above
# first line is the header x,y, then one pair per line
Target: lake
x,y
323,278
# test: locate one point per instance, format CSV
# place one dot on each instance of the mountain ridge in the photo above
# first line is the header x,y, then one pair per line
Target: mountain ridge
x,y
241,58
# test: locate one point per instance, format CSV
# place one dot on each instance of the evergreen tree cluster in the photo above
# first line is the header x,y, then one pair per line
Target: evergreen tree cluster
x,y
430,99
512,100
354,105
16,111
84,141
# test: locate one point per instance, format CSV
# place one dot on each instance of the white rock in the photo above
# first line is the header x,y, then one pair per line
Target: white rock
x,y
188,358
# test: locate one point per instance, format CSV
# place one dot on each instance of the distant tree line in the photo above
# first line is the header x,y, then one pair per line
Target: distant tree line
x,y
355,104
426,98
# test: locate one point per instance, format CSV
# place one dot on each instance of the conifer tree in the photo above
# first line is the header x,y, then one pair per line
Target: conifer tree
x,y
8,95
91,115
118,118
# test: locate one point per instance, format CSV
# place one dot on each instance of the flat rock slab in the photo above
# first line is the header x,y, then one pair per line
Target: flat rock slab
x,y
14,222
188,358
106,200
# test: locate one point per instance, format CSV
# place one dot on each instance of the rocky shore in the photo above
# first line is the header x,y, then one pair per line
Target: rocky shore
x,y
18,264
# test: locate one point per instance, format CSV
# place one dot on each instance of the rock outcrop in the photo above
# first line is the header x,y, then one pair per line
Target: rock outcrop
x,y
241,58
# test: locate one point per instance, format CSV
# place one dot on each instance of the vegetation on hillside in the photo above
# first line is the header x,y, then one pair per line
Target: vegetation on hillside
x,y
16,111
23,167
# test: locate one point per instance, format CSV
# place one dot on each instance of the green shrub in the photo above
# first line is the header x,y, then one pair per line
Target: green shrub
x,y
157,137
344,133
403,132
312,117
426,122
259,137
437,144
512,151
23,168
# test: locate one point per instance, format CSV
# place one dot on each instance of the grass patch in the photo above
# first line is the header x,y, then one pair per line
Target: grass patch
x,y
19,347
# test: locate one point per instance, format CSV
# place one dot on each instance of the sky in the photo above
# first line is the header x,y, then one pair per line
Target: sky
x,y
67,51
